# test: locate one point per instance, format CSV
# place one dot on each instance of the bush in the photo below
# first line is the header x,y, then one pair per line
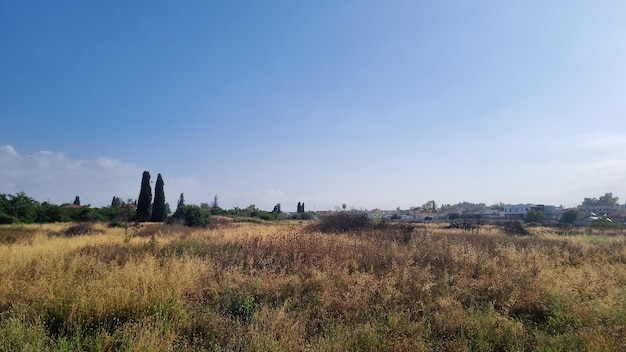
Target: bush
x,y
343,222
570,216
6,219
80,230
535,215
514,228
264,215
302,216
191,215
605,223
217,211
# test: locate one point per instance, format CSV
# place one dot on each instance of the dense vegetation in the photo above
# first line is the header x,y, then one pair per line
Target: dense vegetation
x,y
20,208
249,287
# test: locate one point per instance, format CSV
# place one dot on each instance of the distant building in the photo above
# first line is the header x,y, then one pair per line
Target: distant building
x,y
517,211
420,214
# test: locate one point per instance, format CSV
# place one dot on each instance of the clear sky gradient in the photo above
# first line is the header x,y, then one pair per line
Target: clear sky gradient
x,y
376,104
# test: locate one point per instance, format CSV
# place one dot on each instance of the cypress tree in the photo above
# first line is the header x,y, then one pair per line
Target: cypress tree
x,y
145,199
181,203
158,208
76,200
116,202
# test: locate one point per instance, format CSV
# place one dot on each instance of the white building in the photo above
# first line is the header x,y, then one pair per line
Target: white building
x,y
517,211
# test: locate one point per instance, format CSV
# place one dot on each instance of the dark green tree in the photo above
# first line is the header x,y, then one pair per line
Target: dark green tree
x,y
430,205
5,210
116,202
158,208
76,200
299,208
145,199
535,215
497,206
606,200
569,216
24,207
47,213
276,209
181,201
191,215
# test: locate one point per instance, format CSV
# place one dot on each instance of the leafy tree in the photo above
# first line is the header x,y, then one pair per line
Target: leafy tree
x,y
306,216
454,216
76,200
87,214
145,199
298,208
192,215
569,216
535,215
276,209
47,213
5,207
497,206
23,208
7,219
442,207
606,200
430,205
158,208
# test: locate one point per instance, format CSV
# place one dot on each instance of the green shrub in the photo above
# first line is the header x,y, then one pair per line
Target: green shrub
x,y
605,223
191,215
7,219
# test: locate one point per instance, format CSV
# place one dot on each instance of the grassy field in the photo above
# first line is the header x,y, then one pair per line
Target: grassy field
x,y
255,287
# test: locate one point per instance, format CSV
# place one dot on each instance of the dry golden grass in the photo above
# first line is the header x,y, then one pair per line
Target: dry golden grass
x,y
281,288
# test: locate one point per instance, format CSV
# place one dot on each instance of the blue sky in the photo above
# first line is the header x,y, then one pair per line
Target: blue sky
x,y
369,103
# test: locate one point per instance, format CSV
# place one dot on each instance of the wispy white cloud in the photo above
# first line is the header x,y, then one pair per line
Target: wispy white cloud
x,y
609,170
604,141
56,177
594,178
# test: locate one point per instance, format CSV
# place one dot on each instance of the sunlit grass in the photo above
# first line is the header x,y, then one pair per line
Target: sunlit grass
x,y
281,287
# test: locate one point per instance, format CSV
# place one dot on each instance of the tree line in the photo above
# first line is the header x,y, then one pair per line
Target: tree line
x,y
20,208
